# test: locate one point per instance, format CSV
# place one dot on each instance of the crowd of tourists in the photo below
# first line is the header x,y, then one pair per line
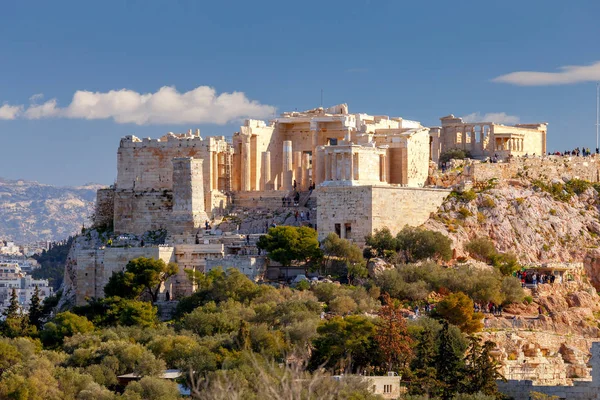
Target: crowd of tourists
x,y
533,278
584,152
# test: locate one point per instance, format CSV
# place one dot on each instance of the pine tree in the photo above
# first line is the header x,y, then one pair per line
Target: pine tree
x,y
449,364
482,368
424,380
14,308
35,309
12,326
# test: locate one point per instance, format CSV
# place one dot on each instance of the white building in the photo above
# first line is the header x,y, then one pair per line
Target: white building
x,y
12,277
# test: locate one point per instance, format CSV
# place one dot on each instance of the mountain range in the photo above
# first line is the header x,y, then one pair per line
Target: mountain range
x,y
31,211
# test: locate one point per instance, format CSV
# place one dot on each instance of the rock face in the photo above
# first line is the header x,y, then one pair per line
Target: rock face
x,y
551,348
31,211
377,265
522,219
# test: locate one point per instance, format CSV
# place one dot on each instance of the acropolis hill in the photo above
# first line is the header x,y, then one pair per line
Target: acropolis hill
x,y
193,200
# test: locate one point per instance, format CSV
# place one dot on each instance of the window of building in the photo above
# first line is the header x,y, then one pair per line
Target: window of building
x,y
347,230
338,230
332,141
387,388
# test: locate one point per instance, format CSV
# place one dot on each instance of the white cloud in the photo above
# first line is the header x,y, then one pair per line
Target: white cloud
x,y
10,112
498,118
568,74
36,97
44,110
166,106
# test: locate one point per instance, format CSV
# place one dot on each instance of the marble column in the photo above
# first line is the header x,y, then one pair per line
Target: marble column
x,y
305,171
334,166
350,167
246,167
298,168
327,158
287,175
215,174
266,170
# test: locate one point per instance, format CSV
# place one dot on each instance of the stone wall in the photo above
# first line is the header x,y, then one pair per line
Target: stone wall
x,y
580,390
94,267
548,167
355,212
140,211
105,207
254,267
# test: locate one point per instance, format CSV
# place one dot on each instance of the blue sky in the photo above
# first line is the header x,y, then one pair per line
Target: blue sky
x,y
76,76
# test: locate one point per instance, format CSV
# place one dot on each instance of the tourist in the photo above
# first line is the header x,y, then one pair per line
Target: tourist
x,y
248,239
283,201
295,184
302,216
296,216
308,215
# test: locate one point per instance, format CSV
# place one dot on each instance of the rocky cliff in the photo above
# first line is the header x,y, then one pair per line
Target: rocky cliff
x,y
539,222
30,211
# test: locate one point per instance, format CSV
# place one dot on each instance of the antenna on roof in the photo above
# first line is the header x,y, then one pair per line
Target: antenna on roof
x,y
597,111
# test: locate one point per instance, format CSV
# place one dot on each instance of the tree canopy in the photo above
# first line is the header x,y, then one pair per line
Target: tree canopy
x,y
142,276
288,244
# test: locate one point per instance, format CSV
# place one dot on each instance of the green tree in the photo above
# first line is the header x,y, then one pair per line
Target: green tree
x,y
14,324
481,368
35,308
457,309
482,249
142,276
150,388
449,364
381,241
341,256
288,244
13,310
63,325
419,244
345,344
423,366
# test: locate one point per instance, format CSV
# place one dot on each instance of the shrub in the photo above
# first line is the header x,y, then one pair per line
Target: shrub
x,y
552,211
456,154
457,309
481,248
419,244
464,212
577,186
488,202
464,196
528,299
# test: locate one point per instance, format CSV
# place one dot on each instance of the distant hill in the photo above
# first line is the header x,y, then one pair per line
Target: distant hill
x,y
31,211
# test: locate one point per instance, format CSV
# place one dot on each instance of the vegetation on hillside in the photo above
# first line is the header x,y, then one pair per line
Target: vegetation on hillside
x,y
234,336
52,262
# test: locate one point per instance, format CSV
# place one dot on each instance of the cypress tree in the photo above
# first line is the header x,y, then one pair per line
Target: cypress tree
x,y
14,308
425,380
35,308
449,364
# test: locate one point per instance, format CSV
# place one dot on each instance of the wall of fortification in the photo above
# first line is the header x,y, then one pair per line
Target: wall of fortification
x,y
396,207
94,268
366,208
140,211
105,207
417,159
254,267
548,167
